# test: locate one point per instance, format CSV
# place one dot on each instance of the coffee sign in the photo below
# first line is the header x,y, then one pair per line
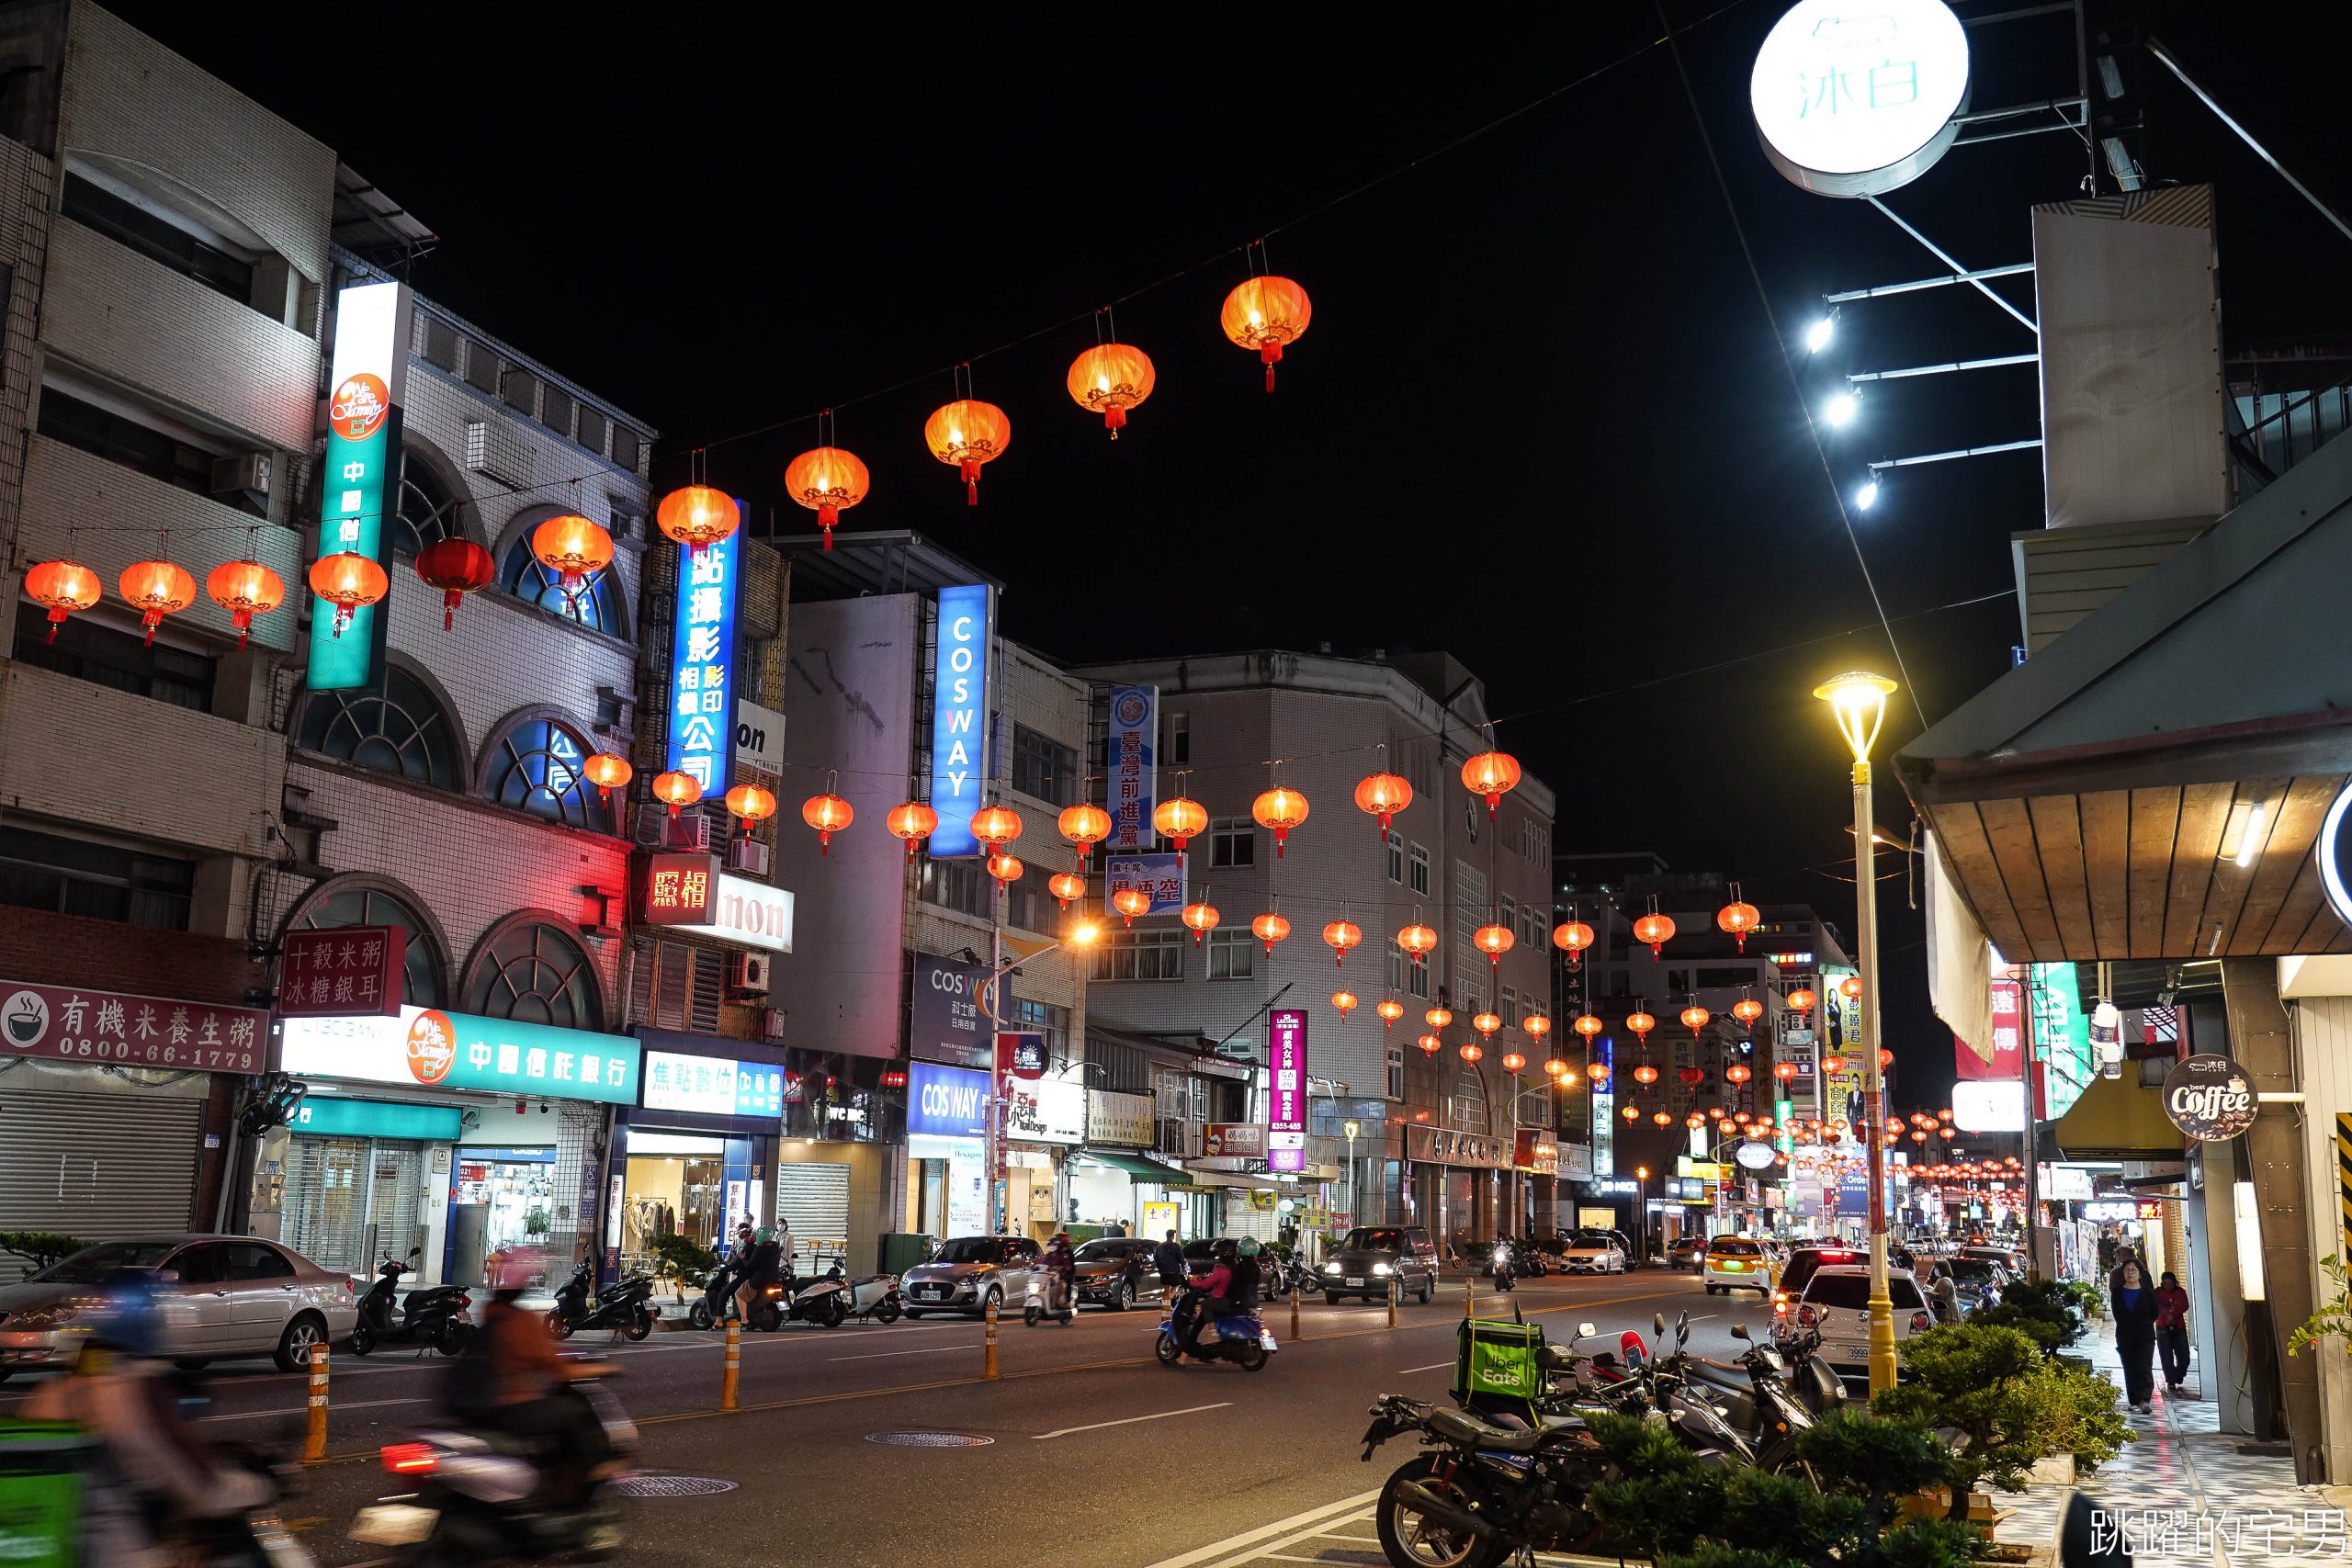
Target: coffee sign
x,y
2209,1099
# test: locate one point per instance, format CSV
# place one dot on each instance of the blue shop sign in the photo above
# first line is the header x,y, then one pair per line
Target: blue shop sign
x,y
377,1119
946,1102
959,695
702,663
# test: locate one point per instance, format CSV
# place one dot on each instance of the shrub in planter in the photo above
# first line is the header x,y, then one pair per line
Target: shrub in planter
x,y
2013,1404
2045,1310
685,1257
40,1248
1682,1513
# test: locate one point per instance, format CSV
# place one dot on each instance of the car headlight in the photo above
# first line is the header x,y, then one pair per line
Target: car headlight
x,y
1330,1267
1382,1268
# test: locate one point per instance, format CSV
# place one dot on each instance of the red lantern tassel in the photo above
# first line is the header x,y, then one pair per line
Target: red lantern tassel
x,y
971,481
449,609
1270,353
1115,417
826,517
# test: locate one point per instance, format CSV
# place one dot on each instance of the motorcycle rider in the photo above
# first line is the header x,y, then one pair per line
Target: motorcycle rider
x,y
1061,1272
762,1265
1500,1259
520,1385
1248,1278
121,1395
1210,1296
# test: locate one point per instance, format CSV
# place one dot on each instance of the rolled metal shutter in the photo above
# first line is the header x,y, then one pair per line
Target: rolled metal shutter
x,y
813,1200
96,1166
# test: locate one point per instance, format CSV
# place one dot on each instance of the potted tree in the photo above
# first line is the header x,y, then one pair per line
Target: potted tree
x,y
2007,1402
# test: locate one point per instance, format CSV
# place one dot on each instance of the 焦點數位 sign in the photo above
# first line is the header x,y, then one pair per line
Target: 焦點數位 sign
x,y
428,1048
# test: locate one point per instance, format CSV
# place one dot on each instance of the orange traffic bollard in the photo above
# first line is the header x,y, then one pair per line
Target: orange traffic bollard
x,y
1393,1293
988,1356
734,1365
314,1439
1294,1312
1469,1298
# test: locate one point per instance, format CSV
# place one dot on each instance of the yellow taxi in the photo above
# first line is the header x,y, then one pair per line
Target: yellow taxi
x,y
1738,1263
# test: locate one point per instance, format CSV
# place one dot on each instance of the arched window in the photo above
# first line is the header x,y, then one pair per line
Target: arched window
x,y
535,767
1470,1102
536,974
425,512
403,732
374,907
596,605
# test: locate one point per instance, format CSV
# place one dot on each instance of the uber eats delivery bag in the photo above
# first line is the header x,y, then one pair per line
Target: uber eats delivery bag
x,y
1498,1365
42,1465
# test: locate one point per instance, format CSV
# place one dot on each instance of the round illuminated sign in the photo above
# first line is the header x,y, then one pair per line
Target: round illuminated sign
x,y
360,406
432,1047
1754,1157
2209,1098
1856,99
2335,861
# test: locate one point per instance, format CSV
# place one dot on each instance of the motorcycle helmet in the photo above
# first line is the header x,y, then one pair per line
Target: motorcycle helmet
x,y
766,1234
126,1315
1249,1247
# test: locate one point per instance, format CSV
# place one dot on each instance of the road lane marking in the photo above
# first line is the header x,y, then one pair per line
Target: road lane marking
x,y
339,1404
926,1350
1431,1368
1298,1527
1131,1420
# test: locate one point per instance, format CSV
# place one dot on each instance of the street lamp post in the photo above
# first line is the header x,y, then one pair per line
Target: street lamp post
x,y
1352,1129
1859,699
1079,935
1642,1196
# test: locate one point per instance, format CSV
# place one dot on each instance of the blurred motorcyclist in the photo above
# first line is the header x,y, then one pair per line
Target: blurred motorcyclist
x,y
522,1385
160,1470
1248,1278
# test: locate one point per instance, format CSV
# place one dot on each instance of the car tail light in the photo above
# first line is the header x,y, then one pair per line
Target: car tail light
x,y
411,1459
1807,1316
1780,1305
464,1301
1919,1322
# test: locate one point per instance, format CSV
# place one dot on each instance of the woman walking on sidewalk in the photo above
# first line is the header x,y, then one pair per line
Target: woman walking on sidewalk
x,y
2172,1331
2134,1300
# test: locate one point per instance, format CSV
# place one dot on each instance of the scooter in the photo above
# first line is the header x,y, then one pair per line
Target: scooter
x,y
434,1316
1047,1299
1499,1261
619,1306
1240,1337
823,1301
717,1303
870,1295
470,1495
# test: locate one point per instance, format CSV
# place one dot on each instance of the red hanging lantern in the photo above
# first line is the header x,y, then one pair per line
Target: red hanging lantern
x,y
1431,1045
1640,1023
1646,1075
1437,1018
1383,795
1418,940
696,516
914,822
1851,987
348,581
1085,826
1632,1114
750,804
1470,1051
1536,1026
1784,1071
1833,1063
1691,1077
1131,902
676,789
829,814
1066,885
245,589
1344,1001
1588,1025
1739,1072
160,587
1202,917
1180,821
1694,1017
1885,1060
1340,936
1654,928
1557,1070
964,435
1663,1119
996,826
1270,927
1599,1072
1572,937
1747,1010
608,773
1486,1023
1265,314
1493,941
61,587
1109,379
829,481
1801,1001
1390,1011
1695,1122
1490,773
571,546
1514,1062
1005,868
1736,918
456,567
1281,809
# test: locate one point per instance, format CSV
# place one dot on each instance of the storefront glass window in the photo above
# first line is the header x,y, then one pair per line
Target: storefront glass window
x,y
538,974
373,906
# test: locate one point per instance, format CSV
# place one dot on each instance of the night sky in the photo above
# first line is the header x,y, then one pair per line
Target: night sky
x,y
1540,418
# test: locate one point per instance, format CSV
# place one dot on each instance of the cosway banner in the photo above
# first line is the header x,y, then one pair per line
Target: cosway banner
x,y
959,705
427,1048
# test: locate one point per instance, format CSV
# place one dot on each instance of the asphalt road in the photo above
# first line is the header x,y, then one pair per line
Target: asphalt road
x,y
1094,1453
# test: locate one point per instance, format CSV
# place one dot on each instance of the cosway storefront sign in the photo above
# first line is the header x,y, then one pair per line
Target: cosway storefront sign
x,y
427,1048
946,1102
959,695
365,387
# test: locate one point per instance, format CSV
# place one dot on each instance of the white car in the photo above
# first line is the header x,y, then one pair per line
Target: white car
x,y
1836,1305
1738,1263
1593,1252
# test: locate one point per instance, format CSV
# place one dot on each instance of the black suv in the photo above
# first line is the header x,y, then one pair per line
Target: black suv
x,y
1372,1257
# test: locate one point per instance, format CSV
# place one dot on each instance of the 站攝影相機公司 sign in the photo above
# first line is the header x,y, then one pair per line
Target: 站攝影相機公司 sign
x,y
959,698
702,663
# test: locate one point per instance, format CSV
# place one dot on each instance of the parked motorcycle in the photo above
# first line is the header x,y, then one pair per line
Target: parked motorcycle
x,y
434,1316
1529,1257
1479,1494
1241,1337
823,1301
619,1306
473,1497
869,1295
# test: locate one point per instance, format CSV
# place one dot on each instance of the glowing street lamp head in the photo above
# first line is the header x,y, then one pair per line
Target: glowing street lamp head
x,y
1817,336
1859,698
1840,409
1866,495
1083,934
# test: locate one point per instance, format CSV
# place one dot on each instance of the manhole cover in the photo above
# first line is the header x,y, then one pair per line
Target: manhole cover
x,y
928,1440
672,1486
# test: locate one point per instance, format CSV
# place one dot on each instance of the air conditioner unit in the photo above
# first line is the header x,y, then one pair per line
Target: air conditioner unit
x,y
749,856
771,1025
747,974
688,830
245,472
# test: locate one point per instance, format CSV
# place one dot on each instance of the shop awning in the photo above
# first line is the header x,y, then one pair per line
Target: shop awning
x,y
1136,1166
2118,1118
